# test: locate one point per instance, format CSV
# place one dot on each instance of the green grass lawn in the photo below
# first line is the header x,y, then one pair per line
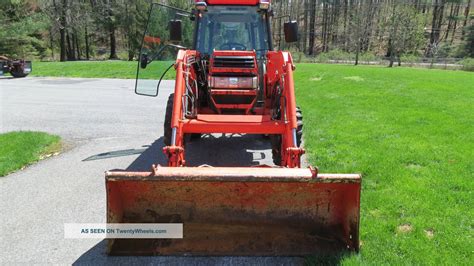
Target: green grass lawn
x,y
19,149
408,131
101,69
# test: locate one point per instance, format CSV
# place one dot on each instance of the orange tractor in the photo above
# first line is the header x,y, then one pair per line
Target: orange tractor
x,y
230,81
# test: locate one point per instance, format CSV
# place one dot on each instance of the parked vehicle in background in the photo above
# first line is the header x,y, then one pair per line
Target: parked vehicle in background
x,y
18,68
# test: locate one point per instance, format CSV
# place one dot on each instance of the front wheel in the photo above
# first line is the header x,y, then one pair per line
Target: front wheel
x,y
167,123
276,139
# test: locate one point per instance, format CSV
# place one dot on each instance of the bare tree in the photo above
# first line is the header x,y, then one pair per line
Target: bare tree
x,y
405,31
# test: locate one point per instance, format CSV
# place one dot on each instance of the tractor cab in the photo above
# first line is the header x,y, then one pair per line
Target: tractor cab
x,y
231,42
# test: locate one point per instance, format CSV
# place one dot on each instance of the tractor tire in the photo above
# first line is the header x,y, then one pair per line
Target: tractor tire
x,y
195,136
276,149
276,139
18,74
299,129
167,123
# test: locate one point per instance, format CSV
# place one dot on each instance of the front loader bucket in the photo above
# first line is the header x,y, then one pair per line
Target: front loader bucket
x,y
237,211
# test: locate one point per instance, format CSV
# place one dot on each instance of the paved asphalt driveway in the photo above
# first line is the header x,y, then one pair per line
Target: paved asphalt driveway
x,y
104,126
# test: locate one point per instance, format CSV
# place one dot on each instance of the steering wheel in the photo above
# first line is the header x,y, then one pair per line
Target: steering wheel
x,y
233,46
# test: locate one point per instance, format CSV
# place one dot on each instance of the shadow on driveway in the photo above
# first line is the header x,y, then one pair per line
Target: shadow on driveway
x,y
96,255
214,150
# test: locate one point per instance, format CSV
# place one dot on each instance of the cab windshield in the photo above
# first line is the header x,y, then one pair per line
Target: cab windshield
x,y
241,28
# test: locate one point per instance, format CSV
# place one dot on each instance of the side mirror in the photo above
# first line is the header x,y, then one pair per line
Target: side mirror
x,y
291,31
143,61
175,30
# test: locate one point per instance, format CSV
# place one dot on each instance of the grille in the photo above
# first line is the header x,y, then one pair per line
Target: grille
x,y
234,61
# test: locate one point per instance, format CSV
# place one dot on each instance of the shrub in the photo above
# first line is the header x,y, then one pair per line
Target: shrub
x,y
467,64
410,59
367,57
322,58
339,55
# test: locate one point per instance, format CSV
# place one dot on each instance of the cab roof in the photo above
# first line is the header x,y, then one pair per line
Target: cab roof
x,y
232,2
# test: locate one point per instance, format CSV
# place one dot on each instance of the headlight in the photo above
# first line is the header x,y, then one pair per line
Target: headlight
x,y
264,4
233,82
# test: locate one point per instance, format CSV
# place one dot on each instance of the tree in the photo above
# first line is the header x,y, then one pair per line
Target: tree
x,y
78,29
312,26
469,41
405,31
436,23
360,17
22,30
133,23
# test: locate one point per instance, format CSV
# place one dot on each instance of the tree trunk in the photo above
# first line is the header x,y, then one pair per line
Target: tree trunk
x,y
76,42
128,32
438,11
367,32
86,39
62,28
456,14
357,54
112,39
324,32
450,22
312,25
391,60
305,18
466,18
62,44
345,25
70,48
113,44
51,43
390,52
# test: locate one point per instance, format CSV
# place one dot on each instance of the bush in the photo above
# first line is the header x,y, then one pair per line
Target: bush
x,y
445,50
299,56
339,55
323,58
367,57
410,59
467,64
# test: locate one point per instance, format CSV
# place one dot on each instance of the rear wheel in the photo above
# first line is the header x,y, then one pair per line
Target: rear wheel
x,y
18,73
276,139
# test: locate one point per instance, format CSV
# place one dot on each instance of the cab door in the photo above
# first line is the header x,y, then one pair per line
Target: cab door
x,y
168,30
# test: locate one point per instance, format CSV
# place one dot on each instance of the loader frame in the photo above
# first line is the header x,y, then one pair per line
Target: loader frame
x,y
280,69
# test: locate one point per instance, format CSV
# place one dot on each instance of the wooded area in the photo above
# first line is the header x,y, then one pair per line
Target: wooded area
x,y
68,30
